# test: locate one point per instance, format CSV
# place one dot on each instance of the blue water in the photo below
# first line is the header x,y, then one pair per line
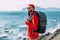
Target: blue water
x,y
12,24
53,21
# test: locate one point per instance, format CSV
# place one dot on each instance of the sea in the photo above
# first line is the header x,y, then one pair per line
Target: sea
x,y
13,27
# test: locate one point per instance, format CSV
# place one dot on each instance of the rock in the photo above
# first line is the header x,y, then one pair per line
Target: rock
x,y
6,31
24,39
54,36
19,37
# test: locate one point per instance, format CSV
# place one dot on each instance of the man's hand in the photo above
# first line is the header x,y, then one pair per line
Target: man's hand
x,y
27,21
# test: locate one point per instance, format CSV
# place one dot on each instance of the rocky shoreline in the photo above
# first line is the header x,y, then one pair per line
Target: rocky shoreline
x,y
51,36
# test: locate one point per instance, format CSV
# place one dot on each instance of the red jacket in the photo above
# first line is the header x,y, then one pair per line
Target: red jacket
x,y
33,25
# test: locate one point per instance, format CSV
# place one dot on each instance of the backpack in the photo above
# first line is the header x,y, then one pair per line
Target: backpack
x,y
42,22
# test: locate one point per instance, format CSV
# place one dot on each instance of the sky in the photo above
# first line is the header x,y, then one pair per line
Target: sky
x,y
17,5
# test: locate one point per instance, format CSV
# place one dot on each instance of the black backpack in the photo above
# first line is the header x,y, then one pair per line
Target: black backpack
x,y
42,22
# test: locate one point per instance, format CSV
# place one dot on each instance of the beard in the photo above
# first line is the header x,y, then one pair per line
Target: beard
x,y
29,12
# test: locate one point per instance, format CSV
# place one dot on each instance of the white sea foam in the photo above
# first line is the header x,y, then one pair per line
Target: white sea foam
x,y
1,35
22,26
51,30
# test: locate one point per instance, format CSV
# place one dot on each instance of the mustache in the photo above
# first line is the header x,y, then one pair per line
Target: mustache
x,y
29,11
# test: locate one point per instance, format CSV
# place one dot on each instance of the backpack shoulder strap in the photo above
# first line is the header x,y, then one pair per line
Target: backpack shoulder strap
x,y
35,14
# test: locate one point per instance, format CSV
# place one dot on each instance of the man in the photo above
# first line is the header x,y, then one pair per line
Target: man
x,y
32,23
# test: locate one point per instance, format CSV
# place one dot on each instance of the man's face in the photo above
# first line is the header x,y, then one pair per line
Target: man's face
x,y
30,9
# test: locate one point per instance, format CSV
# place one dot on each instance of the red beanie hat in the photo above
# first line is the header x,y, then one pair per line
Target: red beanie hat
x,y
31,5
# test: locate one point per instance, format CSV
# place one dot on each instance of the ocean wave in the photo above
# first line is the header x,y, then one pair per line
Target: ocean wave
x,y
51,30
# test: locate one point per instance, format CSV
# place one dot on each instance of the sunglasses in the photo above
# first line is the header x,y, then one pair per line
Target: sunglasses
x,y
28,7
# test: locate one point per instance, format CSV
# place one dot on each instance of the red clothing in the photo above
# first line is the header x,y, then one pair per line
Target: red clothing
x,y
33,25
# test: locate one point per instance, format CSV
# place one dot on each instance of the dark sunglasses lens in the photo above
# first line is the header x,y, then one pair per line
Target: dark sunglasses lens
x,y
28,8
